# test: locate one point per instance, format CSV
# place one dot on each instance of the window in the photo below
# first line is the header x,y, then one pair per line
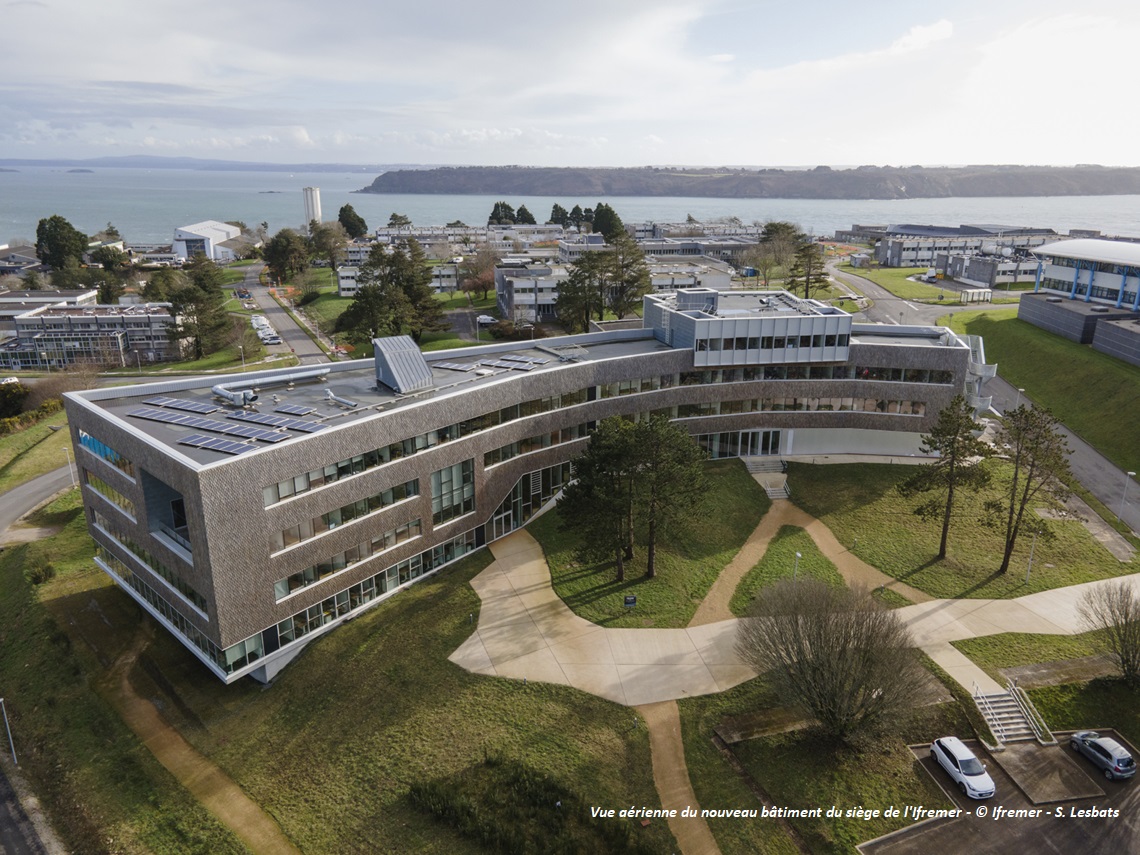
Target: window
x,y
453,491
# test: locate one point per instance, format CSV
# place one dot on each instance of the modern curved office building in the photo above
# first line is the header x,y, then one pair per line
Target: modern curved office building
x,y
251,515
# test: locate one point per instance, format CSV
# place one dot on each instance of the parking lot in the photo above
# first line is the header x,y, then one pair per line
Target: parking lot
x,y
1082,822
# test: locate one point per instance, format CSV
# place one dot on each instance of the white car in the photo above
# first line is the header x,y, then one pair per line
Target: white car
x,y
963,767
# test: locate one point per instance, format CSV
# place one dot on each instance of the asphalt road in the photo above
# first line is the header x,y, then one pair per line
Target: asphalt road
x,y
17,835
1100,477
1058,829
292,336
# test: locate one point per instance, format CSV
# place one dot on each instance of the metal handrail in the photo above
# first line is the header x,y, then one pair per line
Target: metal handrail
x,y
983,703
1040,729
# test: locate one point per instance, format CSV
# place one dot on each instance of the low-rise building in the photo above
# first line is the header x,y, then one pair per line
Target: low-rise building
x,y
220,242
59,336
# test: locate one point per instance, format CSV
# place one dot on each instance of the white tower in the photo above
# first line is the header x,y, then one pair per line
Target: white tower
x,y
312,204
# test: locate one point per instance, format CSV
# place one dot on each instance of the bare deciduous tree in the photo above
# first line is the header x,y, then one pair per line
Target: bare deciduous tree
x,y
836,652
1114,608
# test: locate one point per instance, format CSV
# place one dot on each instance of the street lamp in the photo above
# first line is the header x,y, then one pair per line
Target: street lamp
x,y
1018,404
241,350
1128,477
70,466
11,745
796,568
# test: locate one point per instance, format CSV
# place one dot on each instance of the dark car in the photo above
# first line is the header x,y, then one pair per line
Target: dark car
x,y
1110,756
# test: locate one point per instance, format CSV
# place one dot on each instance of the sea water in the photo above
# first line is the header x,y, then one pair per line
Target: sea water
x,y
146,205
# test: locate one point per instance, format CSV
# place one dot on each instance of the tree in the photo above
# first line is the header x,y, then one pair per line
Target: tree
x,y
376,310
197,300
1113,609
782,239
112,260
286,253
110,290
807,270
12,397
559,216
669,479
577,216
57,241
110,232
763,258
161,284
32,281
328,241
502,214
836,652
597,504
353,223
607,222
477,272
581,293
425,311
626,275
1039,454
960,454
524,216
398,221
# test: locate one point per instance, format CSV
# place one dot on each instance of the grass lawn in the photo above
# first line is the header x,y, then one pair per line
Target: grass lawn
x,y
801,769
1087,706
895,280
103,791
332,749
779,562
326,309
860,501
1095,395
226,359
1011,649
715,784
458,300
688,559
34,451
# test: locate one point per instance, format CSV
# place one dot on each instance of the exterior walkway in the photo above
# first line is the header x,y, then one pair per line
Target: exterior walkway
x,y
671,778
525,631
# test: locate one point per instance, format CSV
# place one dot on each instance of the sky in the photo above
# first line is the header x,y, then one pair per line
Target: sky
x,y
578,83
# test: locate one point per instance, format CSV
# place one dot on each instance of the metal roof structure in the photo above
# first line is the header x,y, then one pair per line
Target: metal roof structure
x,y
1092,249
400,365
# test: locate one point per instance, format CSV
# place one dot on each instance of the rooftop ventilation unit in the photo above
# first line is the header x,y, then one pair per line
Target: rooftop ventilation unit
x,y
344,402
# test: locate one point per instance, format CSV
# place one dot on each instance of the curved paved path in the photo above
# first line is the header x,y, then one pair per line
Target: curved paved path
x,y
525,631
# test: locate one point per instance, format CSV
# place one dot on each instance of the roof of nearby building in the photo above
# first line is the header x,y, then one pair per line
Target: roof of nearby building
x,y
1093,249
212,229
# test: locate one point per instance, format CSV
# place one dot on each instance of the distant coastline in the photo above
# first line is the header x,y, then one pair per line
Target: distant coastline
x,y
822,182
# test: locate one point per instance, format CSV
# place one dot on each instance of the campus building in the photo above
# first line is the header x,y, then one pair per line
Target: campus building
x,y
1088,291
250,516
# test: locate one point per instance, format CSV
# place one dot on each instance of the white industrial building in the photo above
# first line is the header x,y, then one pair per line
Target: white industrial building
x,y
219,242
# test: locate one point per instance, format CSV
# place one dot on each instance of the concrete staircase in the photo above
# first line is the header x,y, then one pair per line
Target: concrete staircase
x,y
1005,716
769,472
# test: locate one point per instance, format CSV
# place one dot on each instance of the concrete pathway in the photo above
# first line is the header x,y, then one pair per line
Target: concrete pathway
x,y
671,778
525,631
715,606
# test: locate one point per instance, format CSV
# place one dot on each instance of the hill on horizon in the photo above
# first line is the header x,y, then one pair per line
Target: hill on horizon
x,y
821,182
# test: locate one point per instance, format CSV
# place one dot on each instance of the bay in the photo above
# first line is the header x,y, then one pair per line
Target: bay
x,y
146,205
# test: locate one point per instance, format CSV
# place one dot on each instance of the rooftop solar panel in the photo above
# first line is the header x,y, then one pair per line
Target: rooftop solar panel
x,y
214,425
454,366
295,410
277,421
181,404
215,443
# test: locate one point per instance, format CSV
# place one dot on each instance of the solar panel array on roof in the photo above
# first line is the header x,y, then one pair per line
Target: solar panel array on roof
x,y
516,366
214,425
295,410
454,366
215,443
277,421
180,404
531,359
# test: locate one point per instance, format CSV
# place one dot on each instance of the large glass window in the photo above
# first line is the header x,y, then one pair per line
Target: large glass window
x,y
105,452
453,491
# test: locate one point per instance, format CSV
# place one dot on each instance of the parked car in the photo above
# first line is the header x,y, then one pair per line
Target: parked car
x,y
1107,754
963,767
